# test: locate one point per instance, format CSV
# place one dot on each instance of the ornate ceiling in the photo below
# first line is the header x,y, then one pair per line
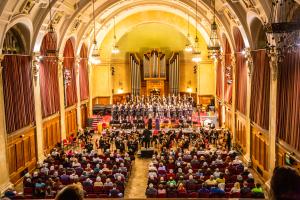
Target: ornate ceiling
x,y
73,18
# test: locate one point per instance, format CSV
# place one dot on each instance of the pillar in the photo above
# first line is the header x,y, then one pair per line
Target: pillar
x,y
249,63
273,112
61,98
78,105
38,108
90,74
198,83
4,178
233,104
223,108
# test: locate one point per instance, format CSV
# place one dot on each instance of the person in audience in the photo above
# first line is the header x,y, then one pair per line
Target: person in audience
x,y
171,181
285,184
98,182
211,181
115,192
181,188
236,188
218,190
257,190
245,190
221,179
70,192
161,190
204,189
151,191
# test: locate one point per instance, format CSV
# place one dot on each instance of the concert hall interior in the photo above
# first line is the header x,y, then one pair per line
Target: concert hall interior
x,y
149,99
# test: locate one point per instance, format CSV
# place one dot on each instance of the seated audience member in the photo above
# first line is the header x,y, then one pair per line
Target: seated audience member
x,y
285,184
10,193
151,191
250,178
211,181
236,188
98,182
245,190
218,190
204,189
221,179
40,187
70,192
257,190
181,188
171,181
161,189
114,192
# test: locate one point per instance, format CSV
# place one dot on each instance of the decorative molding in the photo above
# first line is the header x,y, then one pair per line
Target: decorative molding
x,y
27,6
35,68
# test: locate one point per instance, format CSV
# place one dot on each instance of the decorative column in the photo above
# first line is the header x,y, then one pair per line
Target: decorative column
x,y
4,178
223,90
78,105
90,74
249,62
233,103
38,107
198,83
61,98
273,111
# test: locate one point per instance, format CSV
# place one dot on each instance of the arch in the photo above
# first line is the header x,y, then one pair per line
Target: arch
x,y
238,39
49,42
24,26
83,51
225,44
258,34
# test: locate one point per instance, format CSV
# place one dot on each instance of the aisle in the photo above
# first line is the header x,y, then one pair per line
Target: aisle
x,y
136,186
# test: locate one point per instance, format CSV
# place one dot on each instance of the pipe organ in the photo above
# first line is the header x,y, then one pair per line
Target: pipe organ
x,y
154,64
135,74
174,74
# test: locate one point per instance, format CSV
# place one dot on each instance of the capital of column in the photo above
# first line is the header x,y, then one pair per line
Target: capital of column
x,y
60,62
35,66
274,65
249,60
77,64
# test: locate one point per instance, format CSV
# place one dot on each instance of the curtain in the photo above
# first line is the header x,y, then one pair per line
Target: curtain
x,y
69,74
288,105
260,89
219,79
49,77
83,74
238,39
241,83
18,92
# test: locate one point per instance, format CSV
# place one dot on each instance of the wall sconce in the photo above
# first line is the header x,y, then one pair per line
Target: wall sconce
x,y
120,90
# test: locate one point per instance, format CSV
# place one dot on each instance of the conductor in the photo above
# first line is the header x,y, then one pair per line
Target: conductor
x,y
147,137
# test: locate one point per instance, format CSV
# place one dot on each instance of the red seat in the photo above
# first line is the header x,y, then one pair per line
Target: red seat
x,y
161,195
182,195
235,195
98,189
203,195
91,196
193,195
28,190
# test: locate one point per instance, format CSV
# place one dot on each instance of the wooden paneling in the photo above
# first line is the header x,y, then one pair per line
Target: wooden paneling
x,y
119,98
71,122
240,132
205,99
101,100
51,133
282,149
21,153
260,151
84,115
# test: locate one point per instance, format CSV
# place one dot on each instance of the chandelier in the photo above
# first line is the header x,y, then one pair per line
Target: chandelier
x,y
282,31
115,49
188,46
95,53
51,31
214,44
196,53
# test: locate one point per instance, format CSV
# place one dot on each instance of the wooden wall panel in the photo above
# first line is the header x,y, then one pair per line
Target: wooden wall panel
x,y
260,151
120,98
71,122
84,115
205,99
101,100
241,132
51,133
21,153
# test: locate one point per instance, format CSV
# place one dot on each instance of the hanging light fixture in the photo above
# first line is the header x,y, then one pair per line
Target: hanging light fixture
x,y
115,49
51,31
197,53
95,53
214,44
282,31
188,46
